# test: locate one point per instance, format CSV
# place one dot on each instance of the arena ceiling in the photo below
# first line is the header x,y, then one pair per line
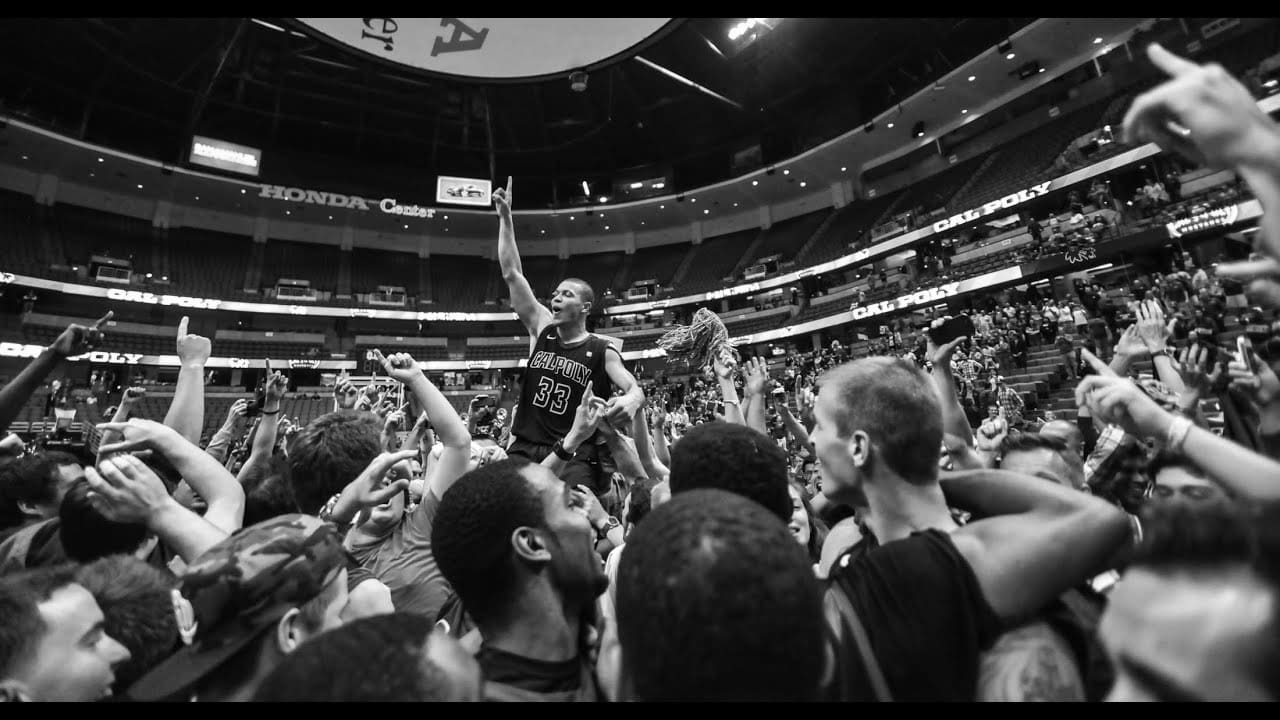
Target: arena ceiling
x,y
145,85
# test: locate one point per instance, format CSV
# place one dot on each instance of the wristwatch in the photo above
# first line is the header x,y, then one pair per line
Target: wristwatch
x,y
609,524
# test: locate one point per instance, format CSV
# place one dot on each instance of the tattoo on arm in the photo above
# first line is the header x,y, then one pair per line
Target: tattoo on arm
x,y
1030,664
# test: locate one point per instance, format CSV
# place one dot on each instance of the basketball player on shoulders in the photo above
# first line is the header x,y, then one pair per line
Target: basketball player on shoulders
x,y
563,360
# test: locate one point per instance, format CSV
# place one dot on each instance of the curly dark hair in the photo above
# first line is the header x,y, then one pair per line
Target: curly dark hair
x,y
716,601
732,457
471,535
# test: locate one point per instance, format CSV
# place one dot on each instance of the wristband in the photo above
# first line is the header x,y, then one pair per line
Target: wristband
x,y
1179,427
561,452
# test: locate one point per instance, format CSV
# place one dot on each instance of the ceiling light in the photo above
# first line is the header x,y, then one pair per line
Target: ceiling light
x,y
755,183
803,183
693,199
658,185
843,169
735,204
606,227
544,232
972,78
148,275
286,212
330,217
197,197
890,124
1010,56
446,217
406,227
662,207
963,112
786,172
91,175
636,186
570,217
164,277
241,191
586,190
139,186
706,212
604,198
1097,41
24,157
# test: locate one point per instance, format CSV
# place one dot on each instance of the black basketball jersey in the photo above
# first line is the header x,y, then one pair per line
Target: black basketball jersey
x,y
554,381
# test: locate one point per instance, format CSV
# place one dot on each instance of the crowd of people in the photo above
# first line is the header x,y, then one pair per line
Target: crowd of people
x,y
837,528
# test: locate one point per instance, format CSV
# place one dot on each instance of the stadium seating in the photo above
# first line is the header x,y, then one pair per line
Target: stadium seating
x,y
658,262
371,268
714,259
301,261
204,263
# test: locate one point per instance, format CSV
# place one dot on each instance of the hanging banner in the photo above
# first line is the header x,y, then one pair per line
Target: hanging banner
x,y
494,49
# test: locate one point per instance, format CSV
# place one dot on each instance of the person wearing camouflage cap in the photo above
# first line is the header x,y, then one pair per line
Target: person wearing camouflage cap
x,y
256,596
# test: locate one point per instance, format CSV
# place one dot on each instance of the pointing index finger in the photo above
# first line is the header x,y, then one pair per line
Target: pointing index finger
x,y
182,326
102,320
1175,65
508,187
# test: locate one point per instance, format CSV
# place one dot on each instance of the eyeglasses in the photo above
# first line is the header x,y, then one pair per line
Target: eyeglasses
x,y
1191,492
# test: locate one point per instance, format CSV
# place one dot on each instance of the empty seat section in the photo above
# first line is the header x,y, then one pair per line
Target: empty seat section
x,y
459,281
20,249
658,262
371,268
301,261
715,259
206,263
85,232
597,269
786,237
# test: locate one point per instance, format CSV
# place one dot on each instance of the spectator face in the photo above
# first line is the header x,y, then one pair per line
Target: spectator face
x,y
1182,634
575,567
799,525
1175,483
73,660
838,469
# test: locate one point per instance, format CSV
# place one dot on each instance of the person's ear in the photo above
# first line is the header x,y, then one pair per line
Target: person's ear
x,y
859,448
289,632
32,509
529,545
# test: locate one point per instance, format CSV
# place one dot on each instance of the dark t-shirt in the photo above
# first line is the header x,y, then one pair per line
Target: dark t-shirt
x,y
554,381
514,678
924,613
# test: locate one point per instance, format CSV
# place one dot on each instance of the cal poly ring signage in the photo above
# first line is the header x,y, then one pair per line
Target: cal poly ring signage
x,y
494,49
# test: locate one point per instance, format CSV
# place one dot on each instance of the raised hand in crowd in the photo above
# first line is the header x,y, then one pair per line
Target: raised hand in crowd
x,y
186,410
1117,400
345,393
80,339
372,487
125,490
1198,377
